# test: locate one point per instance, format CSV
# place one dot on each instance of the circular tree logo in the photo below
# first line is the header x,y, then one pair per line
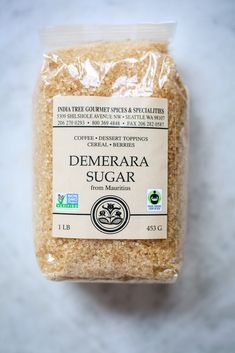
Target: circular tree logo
x,y
110,214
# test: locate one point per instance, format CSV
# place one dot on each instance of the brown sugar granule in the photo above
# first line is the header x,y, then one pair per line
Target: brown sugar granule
x,y
114,64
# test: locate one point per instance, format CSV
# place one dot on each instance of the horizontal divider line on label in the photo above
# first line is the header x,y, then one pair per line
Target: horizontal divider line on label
x,y
113,127
72,214
88,214
148,214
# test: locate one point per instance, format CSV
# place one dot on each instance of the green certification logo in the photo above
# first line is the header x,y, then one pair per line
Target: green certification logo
x,y
64,200
154,200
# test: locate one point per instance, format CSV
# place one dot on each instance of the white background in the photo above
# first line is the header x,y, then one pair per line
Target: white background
x,y
197,314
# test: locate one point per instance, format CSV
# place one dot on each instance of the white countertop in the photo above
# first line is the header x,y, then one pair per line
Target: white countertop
x,y
197,314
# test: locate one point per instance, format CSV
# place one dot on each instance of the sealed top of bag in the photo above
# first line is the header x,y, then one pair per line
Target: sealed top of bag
x,y
66,36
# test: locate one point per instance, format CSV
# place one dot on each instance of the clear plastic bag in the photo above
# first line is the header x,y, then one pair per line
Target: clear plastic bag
x,y
131,63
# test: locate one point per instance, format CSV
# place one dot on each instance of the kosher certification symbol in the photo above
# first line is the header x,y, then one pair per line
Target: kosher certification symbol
x,y
110,214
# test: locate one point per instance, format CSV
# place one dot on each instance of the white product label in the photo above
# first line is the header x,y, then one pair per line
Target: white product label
x,y
110,158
